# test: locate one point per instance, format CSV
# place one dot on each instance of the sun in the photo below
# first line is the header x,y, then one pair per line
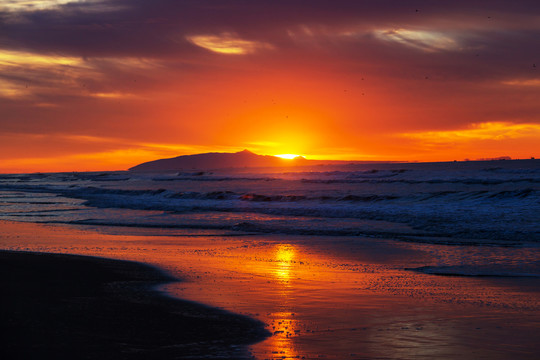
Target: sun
x,y
288,156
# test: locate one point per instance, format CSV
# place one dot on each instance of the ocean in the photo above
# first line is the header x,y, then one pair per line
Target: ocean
x,y
291,246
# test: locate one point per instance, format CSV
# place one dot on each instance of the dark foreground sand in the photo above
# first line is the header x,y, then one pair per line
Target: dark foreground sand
x,y
80,307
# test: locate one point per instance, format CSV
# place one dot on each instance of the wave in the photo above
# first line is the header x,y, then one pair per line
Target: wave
x,y
120,196
254,197
481,207
211,178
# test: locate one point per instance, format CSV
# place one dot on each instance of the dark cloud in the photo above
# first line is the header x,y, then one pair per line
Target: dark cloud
x,y
156,28
493,38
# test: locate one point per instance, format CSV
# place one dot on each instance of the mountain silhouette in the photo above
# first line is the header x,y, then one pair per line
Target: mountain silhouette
x,y
217,160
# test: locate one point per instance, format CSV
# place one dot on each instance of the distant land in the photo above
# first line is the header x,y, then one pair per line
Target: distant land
x,y
241,159
217,160
248,159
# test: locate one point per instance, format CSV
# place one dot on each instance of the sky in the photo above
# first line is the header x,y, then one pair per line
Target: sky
x,y
107,84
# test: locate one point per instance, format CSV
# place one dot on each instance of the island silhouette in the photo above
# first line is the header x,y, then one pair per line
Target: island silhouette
x,y
217,160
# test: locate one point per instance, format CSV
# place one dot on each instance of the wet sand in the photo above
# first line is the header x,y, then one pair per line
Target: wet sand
x,y
323,297
80,307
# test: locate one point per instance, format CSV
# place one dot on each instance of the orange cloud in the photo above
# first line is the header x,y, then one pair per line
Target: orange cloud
x,y
523,82
483,140
482,131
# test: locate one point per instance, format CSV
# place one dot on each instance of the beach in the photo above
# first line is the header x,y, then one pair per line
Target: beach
x,y
68,306
402,261
270,180
316,298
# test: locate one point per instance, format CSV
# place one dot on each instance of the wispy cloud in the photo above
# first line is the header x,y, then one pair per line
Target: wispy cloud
x,y
227,43
22,73
419,39
481,131
25,74
114,95
523,82
25,58
33,5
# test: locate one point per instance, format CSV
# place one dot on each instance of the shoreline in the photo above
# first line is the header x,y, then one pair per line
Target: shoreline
x,y
76,306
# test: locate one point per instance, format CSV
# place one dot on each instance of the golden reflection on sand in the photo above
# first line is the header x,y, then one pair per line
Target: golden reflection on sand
x,y
283,325
284,259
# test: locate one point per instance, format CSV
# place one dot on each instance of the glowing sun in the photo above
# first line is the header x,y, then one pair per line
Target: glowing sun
x,y
287,156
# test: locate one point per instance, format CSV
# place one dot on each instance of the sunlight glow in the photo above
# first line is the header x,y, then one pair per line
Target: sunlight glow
x,y
288,156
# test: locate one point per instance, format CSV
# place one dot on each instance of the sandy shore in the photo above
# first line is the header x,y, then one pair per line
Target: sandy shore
x,y
321,297
81,307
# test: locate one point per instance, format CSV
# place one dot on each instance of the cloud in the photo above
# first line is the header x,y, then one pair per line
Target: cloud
x,y
114,95
33,5
481,131
419,39
523,82
28,59
227,43
25,74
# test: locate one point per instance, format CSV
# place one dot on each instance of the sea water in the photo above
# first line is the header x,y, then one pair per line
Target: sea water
x,y
485,203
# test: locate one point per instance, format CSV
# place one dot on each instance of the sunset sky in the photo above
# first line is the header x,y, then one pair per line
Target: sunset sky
x,y
108,84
